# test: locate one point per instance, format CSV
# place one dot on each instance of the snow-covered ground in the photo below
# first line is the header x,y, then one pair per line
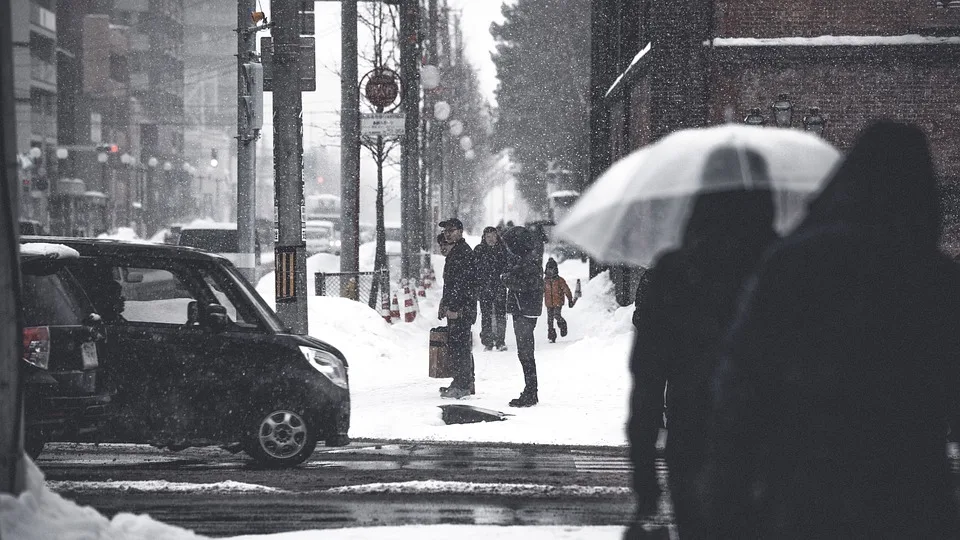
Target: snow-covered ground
x,y
583,378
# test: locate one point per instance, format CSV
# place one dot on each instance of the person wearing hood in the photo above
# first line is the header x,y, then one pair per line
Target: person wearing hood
x,y
838,376
459,306
555,288
492,259
524,283
689,300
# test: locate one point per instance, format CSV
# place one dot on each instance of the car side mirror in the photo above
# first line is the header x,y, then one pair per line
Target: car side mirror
x,y
93,322
133,277
216,317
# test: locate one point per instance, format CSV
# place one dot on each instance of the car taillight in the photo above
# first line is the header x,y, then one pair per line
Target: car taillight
x,y
36,346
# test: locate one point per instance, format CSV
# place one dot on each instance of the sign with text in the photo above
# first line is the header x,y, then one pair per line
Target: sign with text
x,y
382,124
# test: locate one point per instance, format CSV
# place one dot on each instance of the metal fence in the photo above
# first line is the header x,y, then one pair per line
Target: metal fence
x,y
360,286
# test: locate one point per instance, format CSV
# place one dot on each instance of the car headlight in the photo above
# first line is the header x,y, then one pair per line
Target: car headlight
x,y
327,364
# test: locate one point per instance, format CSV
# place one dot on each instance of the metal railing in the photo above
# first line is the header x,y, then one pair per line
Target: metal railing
x,y
360,286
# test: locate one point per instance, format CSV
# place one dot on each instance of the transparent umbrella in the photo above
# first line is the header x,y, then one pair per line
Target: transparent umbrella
x,y
639,207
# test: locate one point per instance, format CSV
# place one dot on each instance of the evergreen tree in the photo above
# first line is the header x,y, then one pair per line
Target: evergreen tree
x,y
543,64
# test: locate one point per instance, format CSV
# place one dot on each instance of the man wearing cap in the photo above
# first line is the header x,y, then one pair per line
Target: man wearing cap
x,y
459,307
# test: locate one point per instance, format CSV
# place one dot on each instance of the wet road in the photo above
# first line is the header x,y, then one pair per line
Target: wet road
x,y
367,483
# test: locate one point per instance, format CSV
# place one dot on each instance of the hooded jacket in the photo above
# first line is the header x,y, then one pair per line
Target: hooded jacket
x,y
491,262
460,281
523,279
837,378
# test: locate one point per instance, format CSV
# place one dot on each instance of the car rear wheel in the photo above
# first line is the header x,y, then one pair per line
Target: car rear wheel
x,y
282,437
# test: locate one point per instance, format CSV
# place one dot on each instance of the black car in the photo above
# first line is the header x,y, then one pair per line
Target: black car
x,y
65,395
199,359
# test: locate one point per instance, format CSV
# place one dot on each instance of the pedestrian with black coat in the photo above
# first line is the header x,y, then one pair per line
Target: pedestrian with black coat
x,y
459,306
492,260
836,380
689,298
524,282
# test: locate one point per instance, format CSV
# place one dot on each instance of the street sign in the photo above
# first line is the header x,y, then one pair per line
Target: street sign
x,y
382,124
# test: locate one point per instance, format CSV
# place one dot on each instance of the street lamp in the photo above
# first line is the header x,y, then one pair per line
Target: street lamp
x,y
167,166
466,143
441,110
755,118
35,152
469,155
62,153
429,76
782,111
814,122
456,128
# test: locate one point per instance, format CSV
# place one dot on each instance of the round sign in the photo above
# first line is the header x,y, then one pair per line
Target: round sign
x,y
382,89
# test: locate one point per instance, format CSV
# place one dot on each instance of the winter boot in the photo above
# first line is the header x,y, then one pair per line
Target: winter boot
x,y
455,393
563,327
525,400
501,347
552,335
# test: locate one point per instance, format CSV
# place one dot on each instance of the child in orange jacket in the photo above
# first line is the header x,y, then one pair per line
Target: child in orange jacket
x,y
554,289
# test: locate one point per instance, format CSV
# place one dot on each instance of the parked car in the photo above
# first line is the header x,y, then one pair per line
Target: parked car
x,y
31,227
321,237
198,358
64,393
220,238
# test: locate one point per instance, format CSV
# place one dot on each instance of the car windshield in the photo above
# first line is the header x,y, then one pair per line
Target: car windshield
x,y
211,240
52,300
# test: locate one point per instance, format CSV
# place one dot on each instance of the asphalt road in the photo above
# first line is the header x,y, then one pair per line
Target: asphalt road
x,y
400,483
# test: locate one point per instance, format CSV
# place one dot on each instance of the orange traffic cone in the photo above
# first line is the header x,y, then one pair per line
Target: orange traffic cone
x,y
409,310
395,309
385,307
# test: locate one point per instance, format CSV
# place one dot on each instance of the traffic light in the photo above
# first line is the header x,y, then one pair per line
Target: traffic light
x,y
253,95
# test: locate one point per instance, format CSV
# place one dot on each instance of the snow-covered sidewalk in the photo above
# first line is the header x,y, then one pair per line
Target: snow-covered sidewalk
x,y
584,378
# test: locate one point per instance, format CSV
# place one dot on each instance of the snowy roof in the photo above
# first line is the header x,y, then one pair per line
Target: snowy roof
x,y
636,59
564,193
832,41
206,223
50,251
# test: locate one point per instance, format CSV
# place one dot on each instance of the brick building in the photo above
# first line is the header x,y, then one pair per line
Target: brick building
x,y
663,65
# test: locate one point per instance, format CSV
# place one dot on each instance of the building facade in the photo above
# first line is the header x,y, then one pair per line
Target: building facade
x,y
670,65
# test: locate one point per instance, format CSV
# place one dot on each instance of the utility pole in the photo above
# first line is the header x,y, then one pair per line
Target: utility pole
x,y
249,122
410,158
291,255
435,134
11,340
349,141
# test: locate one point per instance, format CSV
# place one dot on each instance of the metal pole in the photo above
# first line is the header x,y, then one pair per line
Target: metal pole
x,y
410,158
11,341
288,167
349,140
246,148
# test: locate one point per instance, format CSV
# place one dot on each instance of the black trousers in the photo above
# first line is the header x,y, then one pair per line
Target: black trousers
x,y
493,322
523,328
554,314
459,345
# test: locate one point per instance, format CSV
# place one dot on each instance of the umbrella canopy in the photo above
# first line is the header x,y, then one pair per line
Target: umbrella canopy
x,y
640,206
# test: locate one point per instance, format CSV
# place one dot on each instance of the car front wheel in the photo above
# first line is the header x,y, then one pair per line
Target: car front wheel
x,y
282,437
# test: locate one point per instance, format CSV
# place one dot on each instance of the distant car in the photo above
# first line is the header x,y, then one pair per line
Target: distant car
x,y
31,227
65,395
199,359
321,237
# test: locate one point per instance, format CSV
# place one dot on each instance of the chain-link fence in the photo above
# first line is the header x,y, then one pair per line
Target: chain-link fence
x,y
360,286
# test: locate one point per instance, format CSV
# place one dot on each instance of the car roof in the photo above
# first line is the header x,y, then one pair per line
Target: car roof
x,y
101,246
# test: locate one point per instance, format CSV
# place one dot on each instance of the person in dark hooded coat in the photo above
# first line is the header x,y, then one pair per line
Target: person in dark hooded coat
x,y
492,260
524,282
837,379
689,299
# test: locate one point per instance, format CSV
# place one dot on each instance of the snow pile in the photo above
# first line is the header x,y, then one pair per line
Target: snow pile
x,y
40,514
122,233
50,251
160,236
475,488
161,486
208,223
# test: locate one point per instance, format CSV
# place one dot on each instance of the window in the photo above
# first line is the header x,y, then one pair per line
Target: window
x,y
222,289
48,302
153,295
118,68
